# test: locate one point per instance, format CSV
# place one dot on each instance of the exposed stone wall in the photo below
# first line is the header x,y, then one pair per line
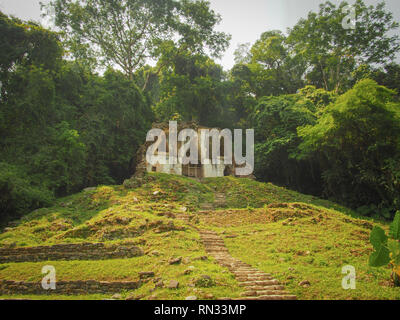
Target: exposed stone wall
x,y
81,251
143,167
8,287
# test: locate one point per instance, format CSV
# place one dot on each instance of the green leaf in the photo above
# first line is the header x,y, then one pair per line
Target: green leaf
x,y
378,238
395,227
380,257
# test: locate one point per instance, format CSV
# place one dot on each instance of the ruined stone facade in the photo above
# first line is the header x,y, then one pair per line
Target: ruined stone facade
x,y
190,170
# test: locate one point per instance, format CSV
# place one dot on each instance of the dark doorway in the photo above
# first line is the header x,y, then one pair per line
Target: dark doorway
x,y
192,170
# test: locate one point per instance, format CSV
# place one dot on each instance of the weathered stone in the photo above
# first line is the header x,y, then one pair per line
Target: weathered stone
x,y
186,260
304,283
146,274
136,297
82,251
231,236
155,253
175,260
188,271
191,298
173,284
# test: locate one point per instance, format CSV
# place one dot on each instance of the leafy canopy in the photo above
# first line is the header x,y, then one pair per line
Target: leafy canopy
x,y
127,33
355,139
333,53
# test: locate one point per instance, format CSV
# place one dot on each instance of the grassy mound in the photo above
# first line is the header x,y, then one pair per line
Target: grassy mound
x,y
297,238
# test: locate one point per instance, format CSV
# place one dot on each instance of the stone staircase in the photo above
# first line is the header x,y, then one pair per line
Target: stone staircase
x,y
258,285
219,202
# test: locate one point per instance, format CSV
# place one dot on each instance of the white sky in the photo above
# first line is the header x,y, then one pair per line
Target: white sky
x,y
245,20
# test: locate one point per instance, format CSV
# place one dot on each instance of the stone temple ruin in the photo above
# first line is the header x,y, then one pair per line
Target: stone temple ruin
x,y
200,170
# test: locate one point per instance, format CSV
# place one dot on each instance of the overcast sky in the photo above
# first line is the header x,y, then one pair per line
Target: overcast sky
x,y
245,20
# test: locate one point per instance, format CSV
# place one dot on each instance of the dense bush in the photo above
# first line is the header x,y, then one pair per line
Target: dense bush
x,y
357,143
18,194
62,126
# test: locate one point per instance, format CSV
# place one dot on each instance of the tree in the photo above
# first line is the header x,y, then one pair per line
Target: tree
x,y
389,77
242,53
113,119
25,43
269,67
357,143
192,87
333,53
276,120
127,33
62,127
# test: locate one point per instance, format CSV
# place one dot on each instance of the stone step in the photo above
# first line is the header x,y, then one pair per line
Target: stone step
x,y
213,245
247,279
256,290
253,278
261,288
259,283
210,245
210,237
264,293
251,274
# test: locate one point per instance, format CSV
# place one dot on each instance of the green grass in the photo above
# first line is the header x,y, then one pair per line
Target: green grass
x,y
305,244
295,237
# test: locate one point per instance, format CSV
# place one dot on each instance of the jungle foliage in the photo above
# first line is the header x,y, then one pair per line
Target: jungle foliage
x,y
75,105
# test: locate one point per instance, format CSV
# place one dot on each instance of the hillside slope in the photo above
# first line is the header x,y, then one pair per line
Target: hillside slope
x,y
148,244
